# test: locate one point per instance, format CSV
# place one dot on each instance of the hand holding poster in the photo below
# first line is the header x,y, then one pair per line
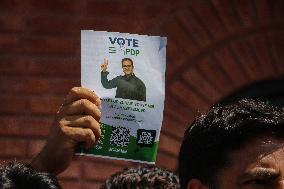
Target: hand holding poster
x,y
127,71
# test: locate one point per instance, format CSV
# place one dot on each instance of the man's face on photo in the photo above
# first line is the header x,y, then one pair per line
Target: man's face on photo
x,y
127,67
257,165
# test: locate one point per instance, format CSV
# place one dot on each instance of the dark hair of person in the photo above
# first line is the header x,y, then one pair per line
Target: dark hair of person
x,y
207,142
142,177
127,59
16,175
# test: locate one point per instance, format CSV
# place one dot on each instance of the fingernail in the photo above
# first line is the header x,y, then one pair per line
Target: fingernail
x,y
100,132
98,102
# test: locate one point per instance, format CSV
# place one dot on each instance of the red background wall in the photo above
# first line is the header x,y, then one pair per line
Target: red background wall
x,y
214,48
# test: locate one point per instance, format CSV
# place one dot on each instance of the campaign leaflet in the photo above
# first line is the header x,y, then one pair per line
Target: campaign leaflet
x,y
127,71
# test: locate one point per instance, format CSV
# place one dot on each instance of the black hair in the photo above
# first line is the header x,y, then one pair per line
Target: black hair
x,y
149,177
16,175
206,143
127,59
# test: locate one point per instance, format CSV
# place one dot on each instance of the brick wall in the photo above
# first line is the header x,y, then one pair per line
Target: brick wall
x,y
214,48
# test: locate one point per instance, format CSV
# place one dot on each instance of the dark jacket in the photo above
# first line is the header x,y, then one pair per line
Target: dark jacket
x,y
127,87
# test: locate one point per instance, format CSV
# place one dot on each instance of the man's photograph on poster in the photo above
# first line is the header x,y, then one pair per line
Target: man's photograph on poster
x,y
128,86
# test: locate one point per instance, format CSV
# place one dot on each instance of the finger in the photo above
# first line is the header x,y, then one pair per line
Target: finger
x,y
99,103
82,122
77,93
79,107
77,134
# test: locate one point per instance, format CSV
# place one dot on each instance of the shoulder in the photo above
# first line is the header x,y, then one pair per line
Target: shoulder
x,y
105,73
139,80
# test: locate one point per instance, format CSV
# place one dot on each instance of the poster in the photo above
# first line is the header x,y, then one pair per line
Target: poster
x,y
127,71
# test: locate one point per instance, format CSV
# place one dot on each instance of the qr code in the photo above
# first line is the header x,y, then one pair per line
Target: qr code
x,y
146,137
120,136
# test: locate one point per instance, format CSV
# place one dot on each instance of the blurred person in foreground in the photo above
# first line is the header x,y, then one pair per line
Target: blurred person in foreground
x,y
16,175
150,177
77,121
238,146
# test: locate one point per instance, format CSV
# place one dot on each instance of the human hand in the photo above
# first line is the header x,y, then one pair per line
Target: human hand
x,y
104,65
77,121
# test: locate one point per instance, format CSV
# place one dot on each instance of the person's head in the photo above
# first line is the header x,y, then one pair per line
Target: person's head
x,y
142,178
22,176
234,146
127,66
